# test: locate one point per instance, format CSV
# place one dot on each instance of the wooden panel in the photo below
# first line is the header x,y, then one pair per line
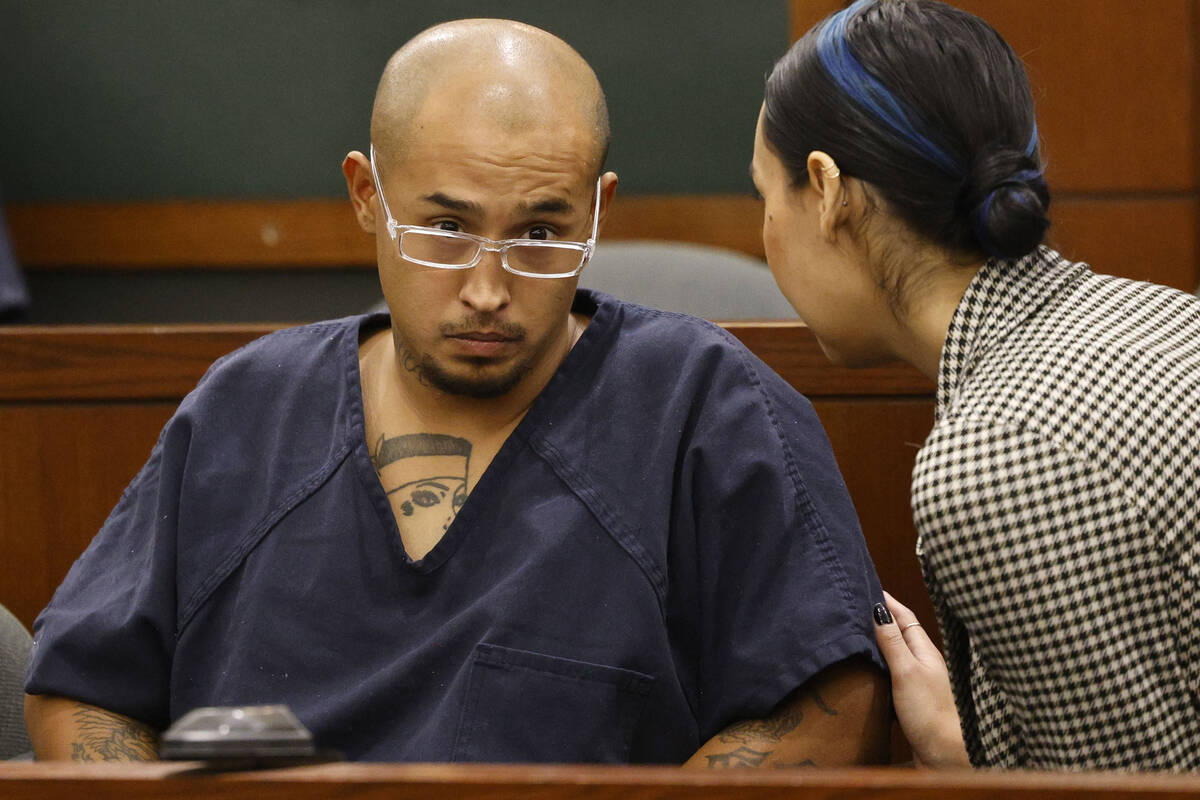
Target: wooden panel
x,y
24,781
122,361
1114,83
173,234
84,362
876,443
731,221
311,233
803,14
62,469
1150,239
1195,10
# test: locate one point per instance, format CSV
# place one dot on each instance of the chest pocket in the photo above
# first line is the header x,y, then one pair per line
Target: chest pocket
x,y
530,707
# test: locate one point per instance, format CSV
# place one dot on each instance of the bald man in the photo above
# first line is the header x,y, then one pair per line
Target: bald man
x,y
510,521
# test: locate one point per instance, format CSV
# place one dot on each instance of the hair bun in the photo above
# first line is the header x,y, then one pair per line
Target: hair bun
x,y
1007,200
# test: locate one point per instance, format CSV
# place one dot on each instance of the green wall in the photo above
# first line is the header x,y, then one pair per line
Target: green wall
x,y
150,99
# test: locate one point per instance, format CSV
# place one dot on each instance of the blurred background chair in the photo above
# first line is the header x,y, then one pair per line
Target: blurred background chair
x,y
708,282
15,644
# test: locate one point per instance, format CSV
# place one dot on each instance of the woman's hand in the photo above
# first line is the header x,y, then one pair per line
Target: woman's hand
x,y
920,688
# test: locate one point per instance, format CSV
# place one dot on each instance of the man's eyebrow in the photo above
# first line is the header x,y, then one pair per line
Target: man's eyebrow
x,y
551,205
453,203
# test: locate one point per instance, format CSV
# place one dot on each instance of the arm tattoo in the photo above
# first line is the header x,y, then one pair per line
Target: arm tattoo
x,y
741,758
785,719
102,737
821,704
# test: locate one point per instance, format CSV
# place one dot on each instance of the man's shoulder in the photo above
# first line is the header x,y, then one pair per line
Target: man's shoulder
x,y
696,376
281,353
315,355
645,334
293,388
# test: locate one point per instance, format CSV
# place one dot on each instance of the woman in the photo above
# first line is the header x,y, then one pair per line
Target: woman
x,y
1055,499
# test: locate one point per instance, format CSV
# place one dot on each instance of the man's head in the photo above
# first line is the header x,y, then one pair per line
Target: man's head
x,y
516,73
496,129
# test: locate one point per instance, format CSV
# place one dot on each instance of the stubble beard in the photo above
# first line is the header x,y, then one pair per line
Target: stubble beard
x,y
475,377
477,385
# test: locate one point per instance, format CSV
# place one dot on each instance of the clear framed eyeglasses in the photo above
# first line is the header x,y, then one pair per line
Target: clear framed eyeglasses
x,y
531,258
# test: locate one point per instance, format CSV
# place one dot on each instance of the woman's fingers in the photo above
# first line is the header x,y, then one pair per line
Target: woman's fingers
x,y
915,636
890,640
921,691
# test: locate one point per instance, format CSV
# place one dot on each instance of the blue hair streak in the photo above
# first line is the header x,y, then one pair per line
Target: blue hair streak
x,y
869,92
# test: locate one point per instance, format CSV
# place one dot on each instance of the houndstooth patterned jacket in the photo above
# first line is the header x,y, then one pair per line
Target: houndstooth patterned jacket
x,y
1057,502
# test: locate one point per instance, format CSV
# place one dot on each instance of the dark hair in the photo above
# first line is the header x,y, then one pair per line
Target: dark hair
x,y
930,106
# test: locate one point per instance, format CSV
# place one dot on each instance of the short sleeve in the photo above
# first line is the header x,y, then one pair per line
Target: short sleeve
x,y
107,636
1038,561
768,561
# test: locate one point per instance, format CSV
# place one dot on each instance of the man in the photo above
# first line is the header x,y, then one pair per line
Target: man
x,y
518,523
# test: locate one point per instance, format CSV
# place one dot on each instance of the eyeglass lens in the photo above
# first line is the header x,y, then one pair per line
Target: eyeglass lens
x,y
453,251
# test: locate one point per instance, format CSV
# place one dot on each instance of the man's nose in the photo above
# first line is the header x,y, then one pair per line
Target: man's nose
x,y
485,285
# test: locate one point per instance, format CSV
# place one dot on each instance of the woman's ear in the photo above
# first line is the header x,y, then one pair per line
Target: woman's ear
x,y
833,200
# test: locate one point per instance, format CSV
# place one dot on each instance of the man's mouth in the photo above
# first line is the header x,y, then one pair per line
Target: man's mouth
x,y
484,336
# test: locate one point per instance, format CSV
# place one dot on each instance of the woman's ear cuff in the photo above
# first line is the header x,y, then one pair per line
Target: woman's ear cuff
x,y
832,172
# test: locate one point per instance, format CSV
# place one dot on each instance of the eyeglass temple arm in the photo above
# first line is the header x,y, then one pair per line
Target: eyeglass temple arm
x,y
591,242
391,223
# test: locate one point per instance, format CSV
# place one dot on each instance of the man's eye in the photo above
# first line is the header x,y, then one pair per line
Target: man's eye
x,y
447,225
540,232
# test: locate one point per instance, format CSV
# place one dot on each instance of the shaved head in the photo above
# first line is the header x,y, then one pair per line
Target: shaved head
x,y
495,72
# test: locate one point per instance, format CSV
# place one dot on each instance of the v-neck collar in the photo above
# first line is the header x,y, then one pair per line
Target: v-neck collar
x,y
1001,296
600,307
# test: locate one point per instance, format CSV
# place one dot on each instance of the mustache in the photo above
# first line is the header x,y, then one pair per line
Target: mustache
x,y
483,322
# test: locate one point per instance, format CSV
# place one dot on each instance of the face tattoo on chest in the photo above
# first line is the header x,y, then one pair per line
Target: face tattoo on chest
x,y
425,477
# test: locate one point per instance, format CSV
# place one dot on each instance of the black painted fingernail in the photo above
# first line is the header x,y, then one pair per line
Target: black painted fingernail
x,y
882,615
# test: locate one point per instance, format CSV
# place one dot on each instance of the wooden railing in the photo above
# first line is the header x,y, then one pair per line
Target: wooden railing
x,y
487,782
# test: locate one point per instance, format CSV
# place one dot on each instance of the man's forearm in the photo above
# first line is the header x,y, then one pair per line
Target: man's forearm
x,y
840,717
62,729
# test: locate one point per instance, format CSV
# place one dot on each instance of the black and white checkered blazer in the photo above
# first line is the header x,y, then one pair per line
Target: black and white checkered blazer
x,y
1057,502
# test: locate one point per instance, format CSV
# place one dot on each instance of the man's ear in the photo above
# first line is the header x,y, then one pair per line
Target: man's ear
x,y
361,185
832,191
608,188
